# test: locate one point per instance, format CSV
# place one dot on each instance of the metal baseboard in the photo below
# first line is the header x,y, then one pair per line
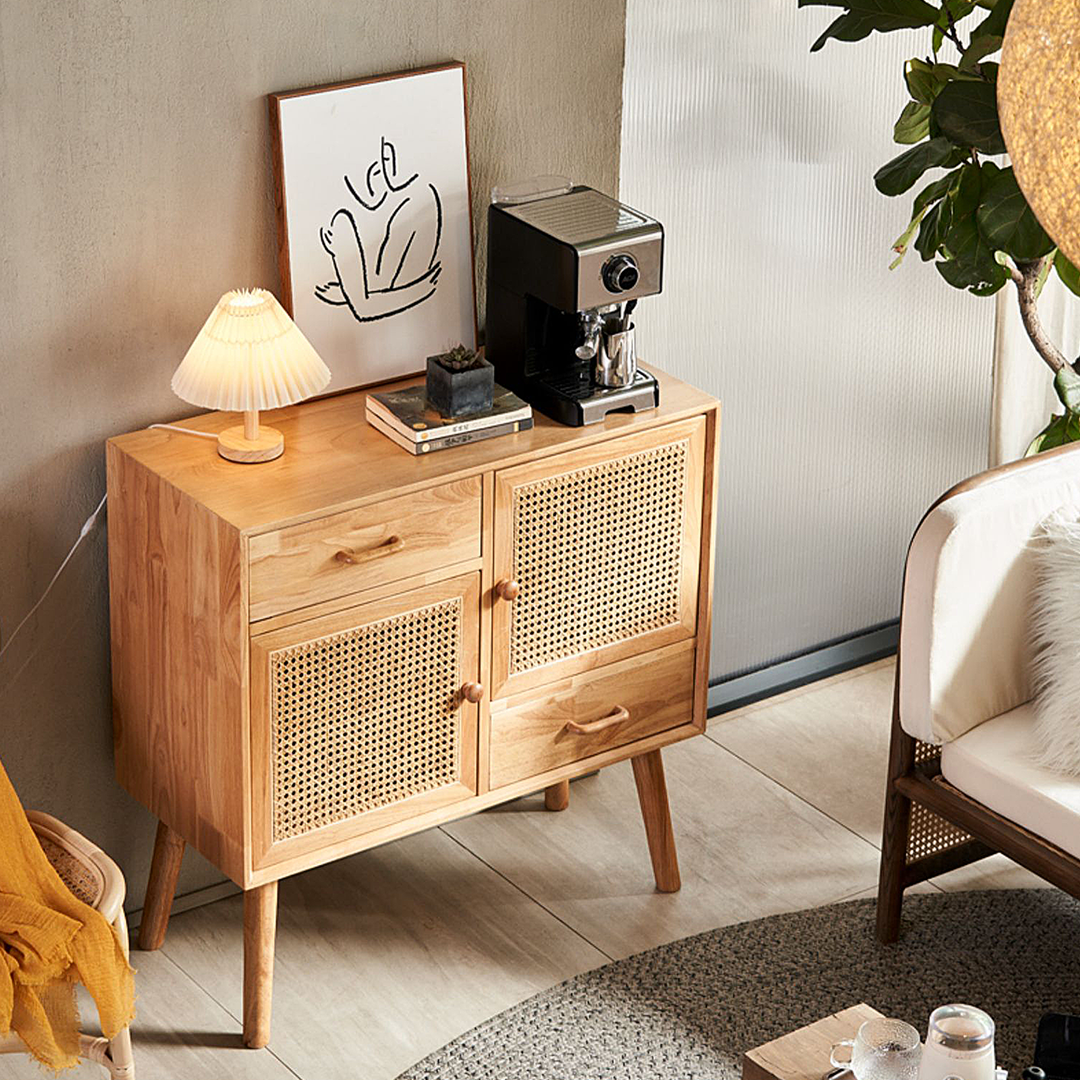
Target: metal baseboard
x,y
819,662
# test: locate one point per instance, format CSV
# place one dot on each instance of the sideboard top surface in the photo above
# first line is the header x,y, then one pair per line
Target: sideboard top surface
x,y
334,459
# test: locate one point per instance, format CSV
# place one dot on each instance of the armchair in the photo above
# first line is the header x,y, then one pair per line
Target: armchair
x,y
962,783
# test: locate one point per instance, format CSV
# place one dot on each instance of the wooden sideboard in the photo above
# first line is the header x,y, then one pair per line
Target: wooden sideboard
x,y
350,644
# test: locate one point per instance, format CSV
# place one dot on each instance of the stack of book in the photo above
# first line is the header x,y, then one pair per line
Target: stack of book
x,y
406,417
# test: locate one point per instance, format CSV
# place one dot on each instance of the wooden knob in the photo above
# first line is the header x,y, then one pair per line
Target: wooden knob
x,y
472,691
508,590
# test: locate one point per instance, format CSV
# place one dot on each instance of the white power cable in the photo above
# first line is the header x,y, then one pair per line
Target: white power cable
x,y
90,522
87,526
186,430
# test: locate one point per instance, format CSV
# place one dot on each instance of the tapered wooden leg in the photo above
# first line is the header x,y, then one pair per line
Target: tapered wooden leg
x,y
161,888
260,927
890,897
652,794
897,825
557,797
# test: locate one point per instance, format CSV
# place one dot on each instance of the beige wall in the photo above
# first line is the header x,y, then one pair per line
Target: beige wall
x,y
135,189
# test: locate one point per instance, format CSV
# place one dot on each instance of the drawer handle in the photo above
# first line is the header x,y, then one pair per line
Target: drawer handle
x,y
508,590
387,547
619,716
472,691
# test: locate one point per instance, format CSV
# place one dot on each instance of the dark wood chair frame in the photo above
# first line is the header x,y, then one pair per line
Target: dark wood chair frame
x,y
931,826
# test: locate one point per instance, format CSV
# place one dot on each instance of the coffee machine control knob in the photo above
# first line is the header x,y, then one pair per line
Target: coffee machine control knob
x,y
620,273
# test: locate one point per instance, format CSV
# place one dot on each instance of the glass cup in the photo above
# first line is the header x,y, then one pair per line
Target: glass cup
x,y
882,1050
959,1043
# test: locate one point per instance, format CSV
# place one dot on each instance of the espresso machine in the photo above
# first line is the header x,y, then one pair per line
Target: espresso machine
x,y
566,268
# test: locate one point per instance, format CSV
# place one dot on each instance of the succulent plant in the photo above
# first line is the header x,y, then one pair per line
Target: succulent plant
x,y
459,359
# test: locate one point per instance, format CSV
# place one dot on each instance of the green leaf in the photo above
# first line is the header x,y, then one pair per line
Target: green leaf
x,y
1062,429
1006,220
965,112
935,227
925,81
1067,272
966,192
865,16
979,47
913,124
895,177
1067,388
1044,273
933,192
970,262
900,244
994,23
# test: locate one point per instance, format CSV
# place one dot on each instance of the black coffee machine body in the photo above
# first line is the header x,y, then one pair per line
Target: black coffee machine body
x,y
564,274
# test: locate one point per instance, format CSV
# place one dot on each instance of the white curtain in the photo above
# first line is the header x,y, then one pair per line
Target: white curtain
x,y
852,396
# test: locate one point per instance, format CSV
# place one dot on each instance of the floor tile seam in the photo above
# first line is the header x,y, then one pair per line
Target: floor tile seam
x,y
528,896
794,794
223,1007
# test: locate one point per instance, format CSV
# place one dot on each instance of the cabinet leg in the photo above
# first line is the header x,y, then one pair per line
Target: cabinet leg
x,y
557,797
260,926
652,794
161,888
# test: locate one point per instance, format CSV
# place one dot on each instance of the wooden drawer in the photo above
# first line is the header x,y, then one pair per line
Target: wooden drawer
x,y
344,553
533,733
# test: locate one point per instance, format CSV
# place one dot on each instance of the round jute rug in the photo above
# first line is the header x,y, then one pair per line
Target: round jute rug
x,y
690,1009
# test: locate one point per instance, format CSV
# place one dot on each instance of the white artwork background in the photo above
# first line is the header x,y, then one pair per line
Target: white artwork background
x,y
329,135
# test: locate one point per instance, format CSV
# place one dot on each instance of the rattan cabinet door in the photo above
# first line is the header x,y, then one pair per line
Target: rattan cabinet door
x,y
604,547
359,720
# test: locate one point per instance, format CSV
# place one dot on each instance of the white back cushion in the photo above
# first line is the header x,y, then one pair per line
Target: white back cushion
x,y
964,641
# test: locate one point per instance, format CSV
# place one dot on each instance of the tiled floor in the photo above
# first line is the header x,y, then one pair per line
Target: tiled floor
x,y
383,957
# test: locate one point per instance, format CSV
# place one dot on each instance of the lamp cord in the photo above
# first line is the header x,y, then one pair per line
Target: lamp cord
x,y
186,430
90,522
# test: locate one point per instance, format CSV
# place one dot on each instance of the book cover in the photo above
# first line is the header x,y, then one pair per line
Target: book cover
x,y
445,442
408,412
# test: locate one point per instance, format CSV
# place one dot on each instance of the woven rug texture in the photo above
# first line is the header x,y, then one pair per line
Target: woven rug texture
x,y
690,1009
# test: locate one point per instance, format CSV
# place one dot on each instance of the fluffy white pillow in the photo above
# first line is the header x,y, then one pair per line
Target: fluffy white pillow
x,y
1055,630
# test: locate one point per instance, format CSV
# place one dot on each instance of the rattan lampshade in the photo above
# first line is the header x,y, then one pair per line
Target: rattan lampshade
x,y
1038,92
248,356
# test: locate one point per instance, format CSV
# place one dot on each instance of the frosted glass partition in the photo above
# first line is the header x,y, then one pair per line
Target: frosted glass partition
x,y
852,396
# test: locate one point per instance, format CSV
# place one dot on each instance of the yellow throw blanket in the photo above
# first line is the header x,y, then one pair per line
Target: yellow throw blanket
x,y
49,940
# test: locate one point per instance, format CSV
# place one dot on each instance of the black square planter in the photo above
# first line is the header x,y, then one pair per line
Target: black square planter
x,y
458,393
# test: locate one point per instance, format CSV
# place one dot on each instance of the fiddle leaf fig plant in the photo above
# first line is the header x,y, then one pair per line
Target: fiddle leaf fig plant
x,y
971,219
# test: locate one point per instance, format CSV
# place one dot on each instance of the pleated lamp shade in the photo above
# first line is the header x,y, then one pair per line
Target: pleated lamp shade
x,y
1038,92
248,356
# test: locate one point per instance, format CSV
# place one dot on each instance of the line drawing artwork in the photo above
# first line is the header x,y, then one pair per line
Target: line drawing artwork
x,y
385,246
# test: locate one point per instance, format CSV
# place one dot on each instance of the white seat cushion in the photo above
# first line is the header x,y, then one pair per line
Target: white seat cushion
x,y
995,764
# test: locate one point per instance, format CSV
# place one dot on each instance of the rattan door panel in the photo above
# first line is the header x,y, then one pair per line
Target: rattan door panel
x,y
605,546
358,720
529,734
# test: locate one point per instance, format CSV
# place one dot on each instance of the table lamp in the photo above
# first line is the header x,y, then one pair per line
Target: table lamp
x,y
248,356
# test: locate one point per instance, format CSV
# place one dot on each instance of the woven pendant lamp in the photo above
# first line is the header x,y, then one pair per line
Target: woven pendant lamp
x,y
1038,91
248,356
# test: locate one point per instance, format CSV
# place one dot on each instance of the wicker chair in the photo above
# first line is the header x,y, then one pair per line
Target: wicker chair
x,y
96,880
962,784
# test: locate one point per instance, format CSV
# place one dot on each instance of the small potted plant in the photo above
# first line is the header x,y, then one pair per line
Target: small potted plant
x,y
459,382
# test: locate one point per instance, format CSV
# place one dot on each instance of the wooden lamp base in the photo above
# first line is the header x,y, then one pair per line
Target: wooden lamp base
x,y
251,442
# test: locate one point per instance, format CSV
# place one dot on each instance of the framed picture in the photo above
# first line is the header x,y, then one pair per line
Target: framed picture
x,y
375,220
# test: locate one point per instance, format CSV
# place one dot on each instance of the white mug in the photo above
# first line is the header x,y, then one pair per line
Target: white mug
x,y
882,1050
959,1043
